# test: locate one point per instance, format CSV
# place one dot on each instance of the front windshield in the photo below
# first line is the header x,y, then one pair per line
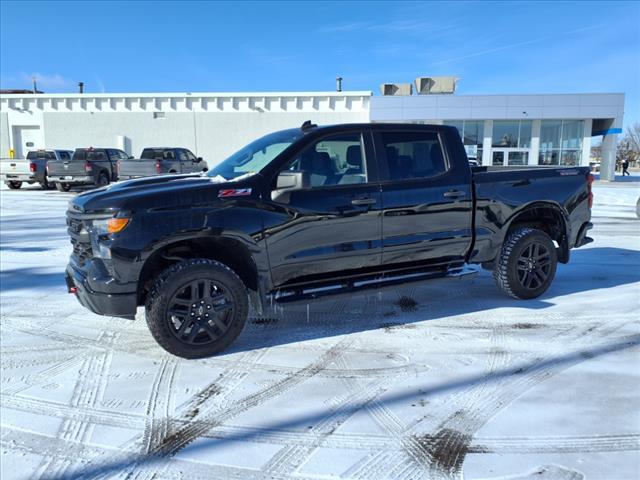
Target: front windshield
x,y
255,156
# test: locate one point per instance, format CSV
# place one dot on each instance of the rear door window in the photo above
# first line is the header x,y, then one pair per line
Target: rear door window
x,y
411,155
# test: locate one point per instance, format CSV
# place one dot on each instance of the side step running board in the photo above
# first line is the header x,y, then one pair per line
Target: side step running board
x,y
327,289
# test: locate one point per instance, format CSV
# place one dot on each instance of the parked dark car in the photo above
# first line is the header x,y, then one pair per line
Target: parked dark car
x,y
161,160
310,211
88,166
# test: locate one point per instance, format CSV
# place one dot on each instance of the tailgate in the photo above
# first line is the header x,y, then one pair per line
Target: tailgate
x,y
10,166
72,168
137,168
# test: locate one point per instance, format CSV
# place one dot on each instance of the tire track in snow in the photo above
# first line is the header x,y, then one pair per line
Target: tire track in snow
x,y
448,446
191,429
159,401
295,453
89,390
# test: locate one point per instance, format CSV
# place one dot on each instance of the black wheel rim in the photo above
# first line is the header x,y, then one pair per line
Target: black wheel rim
x,y
534,265
200,312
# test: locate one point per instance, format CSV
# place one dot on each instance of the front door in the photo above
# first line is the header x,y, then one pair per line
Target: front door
x,y
333,223
427,199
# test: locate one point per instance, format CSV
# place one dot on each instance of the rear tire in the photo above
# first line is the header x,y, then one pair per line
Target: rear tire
x,y
45,184
527,263
197,308
63,187
103,180
14,185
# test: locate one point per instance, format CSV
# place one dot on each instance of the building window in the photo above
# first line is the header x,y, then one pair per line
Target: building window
x,y
472,133
511,134
561,142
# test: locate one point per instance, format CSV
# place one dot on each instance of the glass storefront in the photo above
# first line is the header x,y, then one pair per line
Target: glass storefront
x,y
511,134
472,133
561,142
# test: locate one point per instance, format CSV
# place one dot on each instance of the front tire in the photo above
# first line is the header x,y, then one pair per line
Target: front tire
x,y
63,187
14,185
197,308
527,263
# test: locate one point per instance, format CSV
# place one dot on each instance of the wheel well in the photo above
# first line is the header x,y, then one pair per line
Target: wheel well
x,y
229,251
550,220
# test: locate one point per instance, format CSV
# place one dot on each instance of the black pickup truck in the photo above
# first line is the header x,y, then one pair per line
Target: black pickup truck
x,y
161,160
88,166
316,210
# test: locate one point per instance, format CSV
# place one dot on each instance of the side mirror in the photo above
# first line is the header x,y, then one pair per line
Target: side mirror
x,y
130,157
289,181
197,160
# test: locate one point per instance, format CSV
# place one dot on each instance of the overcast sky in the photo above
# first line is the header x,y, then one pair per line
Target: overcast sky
x,y
499,47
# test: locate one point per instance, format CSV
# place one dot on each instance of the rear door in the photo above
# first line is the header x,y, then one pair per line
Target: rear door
x,y
426,196
333,224
183,160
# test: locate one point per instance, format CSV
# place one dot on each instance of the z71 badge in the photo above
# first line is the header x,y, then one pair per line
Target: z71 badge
x,y
234,192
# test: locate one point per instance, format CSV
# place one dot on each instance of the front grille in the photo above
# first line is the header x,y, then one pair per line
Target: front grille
x,y
80,240
82,251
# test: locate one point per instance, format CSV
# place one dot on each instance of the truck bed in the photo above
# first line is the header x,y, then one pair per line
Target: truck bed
x,y
66,168
14,166
502,192
137,167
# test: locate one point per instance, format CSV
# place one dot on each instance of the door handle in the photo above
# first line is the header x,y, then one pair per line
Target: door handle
x,y
363,201
454,193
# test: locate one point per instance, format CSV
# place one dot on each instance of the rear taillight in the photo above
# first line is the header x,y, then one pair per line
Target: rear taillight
x,y
158,167
88,167
590,179
33,167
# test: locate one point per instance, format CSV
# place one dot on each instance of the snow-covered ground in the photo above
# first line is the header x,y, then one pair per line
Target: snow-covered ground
x,y
433,380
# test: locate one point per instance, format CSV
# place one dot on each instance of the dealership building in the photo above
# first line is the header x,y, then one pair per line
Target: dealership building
x,y
545,129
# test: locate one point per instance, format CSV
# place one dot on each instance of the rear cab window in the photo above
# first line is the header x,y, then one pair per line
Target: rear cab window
x,y
41,154
85,154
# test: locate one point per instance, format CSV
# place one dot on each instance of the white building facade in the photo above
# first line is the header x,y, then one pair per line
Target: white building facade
x,y
496,129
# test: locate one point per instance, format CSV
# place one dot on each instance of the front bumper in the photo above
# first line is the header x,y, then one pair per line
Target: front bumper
x,y
71,180
96,290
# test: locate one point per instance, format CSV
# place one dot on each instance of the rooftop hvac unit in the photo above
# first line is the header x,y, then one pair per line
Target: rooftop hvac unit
x,y
396,89
428,85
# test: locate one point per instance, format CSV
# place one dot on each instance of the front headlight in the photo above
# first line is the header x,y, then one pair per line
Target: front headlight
x,y
110,225
99,233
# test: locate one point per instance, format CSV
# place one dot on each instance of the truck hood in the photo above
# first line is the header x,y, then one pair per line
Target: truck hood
x,y
165,191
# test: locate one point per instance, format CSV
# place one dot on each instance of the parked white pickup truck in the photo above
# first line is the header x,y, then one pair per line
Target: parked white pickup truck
x,y
15,171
